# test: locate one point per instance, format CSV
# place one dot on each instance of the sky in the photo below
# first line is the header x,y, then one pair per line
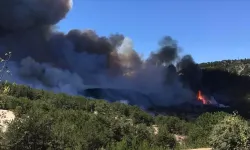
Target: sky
x,y
209,30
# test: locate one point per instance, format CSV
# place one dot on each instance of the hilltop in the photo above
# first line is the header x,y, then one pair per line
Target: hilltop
x,y
239,66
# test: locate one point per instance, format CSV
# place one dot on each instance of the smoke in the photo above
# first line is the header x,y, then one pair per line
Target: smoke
x,y
81,62
191,71
167,53
16,15
129,58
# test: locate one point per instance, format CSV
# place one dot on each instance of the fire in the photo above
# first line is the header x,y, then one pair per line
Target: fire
x,y
201,97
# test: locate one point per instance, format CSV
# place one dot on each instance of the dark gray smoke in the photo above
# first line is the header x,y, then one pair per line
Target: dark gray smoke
x,y
17,15
167,53
81,62
191,72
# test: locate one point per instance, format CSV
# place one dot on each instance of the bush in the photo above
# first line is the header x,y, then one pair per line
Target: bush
x,y
140,116
32,131
173,124
125,145
201,129
165,139
231,133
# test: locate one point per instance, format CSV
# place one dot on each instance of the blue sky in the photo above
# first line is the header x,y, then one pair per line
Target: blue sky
x,y
209,30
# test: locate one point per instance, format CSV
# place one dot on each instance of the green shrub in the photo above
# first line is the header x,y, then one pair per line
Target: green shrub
x,y
140,116
125,145
202,127
173,124
164,138
32,131
7,102
208,120
123,109
231,133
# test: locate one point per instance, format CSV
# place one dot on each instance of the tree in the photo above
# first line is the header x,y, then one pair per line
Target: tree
x,y
231,133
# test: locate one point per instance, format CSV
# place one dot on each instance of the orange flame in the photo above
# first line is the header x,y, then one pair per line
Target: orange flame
x,y
201,98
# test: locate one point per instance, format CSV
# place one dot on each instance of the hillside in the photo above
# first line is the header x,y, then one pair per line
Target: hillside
x,y
240,67
229,79
114,98
45,120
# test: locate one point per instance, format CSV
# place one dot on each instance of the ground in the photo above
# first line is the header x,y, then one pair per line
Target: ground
x,y
5,116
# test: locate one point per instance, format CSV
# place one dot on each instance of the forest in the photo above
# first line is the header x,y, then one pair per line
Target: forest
x,y
45,120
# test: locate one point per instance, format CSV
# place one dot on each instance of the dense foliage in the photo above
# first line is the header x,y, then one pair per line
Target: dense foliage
x,y
58,121
231,133
239,67
45,120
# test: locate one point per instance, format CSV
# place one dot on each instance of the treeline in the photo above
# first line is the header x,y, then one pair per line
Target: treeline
x,y
237,66
229,78
57,121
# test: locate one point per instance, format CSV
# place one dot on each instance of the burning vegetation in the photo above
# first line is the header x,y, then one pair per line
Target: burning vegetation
x,y
202,98
208,100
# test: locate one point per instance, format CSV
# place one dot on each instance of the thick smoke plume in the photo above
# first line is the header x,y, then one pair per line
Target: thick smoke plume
x,y
80,62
